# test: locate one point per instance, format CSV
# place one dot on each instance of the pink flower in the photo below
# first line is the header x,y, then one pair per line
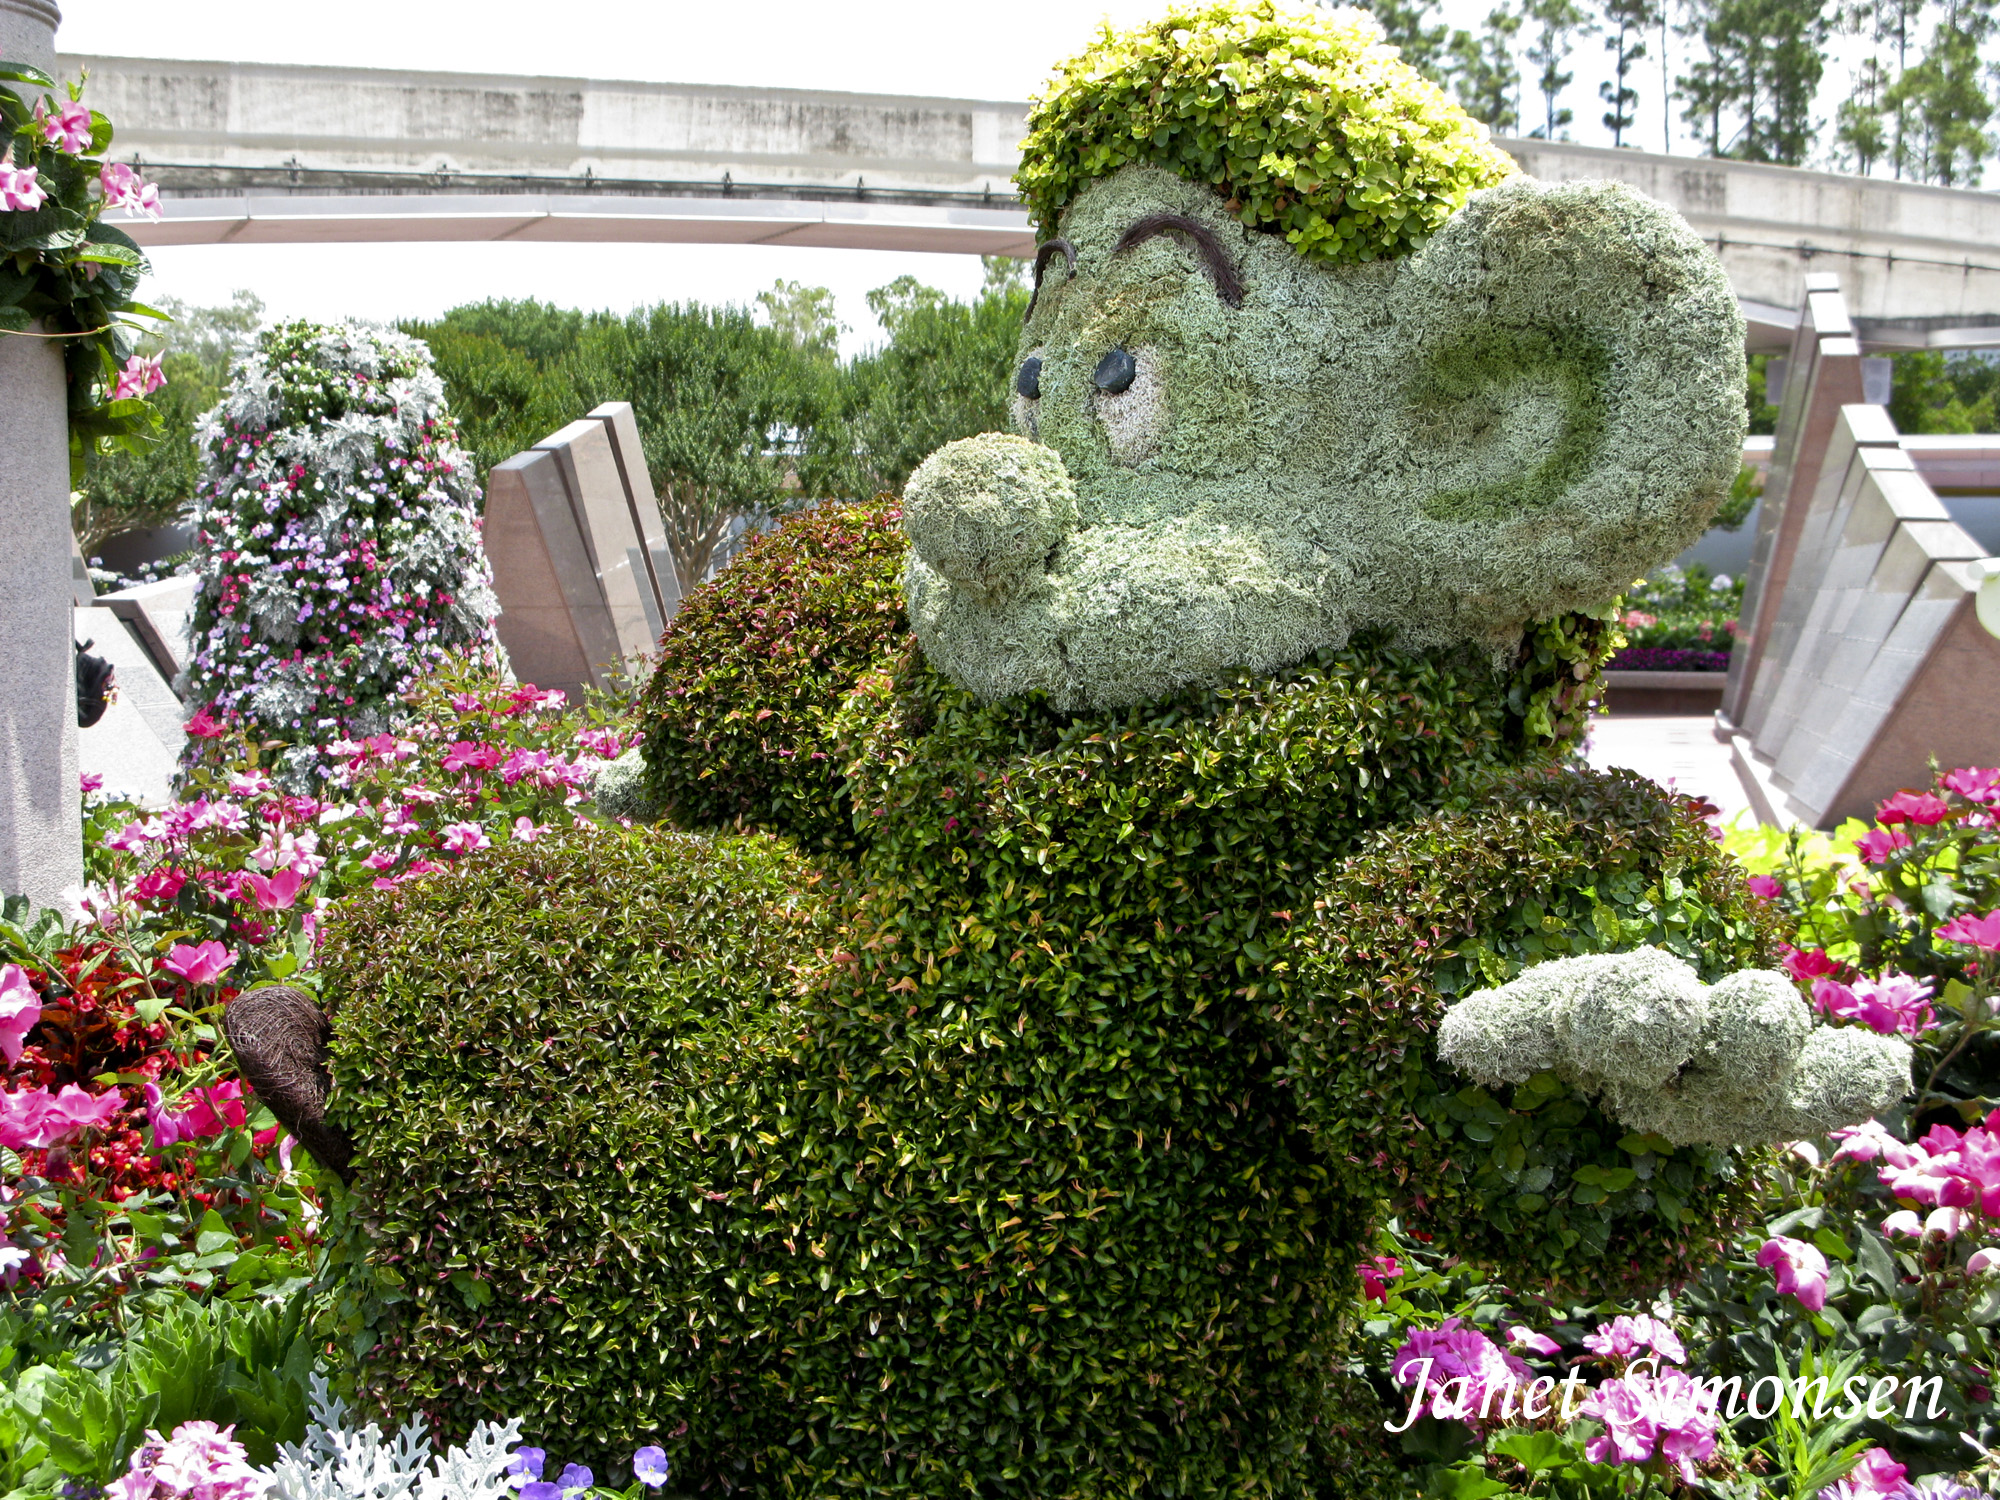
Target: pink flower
x,y
1868,1140
276,891
139,379
527,830
1974,932
1523,1337
469,755
68,129
380,859
463,838
1982,1260
1920,808
1461,1374
1623,1337
90,782
523,763
1764,888
199,1462
1903,1222
1806,967
198,965
161,883
200,723
467,703
396,819
1975,785
1801,1270
1643,1413
20,189
136,835
222,817
248,783
20,1010
1878,844
1376,1274
125,188
207,1111
1876,1477
290,851
34,1119
604,743
1947,1222
1895,1003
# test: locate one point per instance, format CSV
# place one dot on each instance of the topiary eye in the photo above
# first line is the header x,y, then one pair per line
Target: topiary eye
x,y
1029,381
1115,372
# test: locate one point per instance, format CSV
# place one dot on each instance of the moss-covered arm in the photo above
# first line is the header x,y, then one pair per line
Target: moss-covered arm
x,y
1737,1063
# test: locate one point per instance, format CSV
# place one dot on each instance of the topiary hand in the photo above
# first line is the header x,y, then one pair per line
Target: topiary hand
x,y
1740,1062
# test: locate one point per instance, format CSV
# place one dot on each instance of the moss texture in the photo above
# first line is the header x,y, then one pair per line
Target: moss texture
x,y
1302,121
1510,423
1738,1063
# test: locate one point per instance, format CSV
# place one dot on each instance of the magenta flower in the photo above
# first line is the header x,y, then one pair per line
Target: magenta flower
x,y
1801,1270
1806,967
276,891
34,1119
139,379
1878,844
1876,1477
527,830
21,190
463,838
89,782
1461,1375
20,1010
161,883
1974,784
1623,1337
1893,1004
1523,1337
1764,888
199,1462
203,964
1974,932
203,725
1913,807
1644,1413
1982,1260
603,743
469,755
206,1112
1376,1274
125,188
1868,1141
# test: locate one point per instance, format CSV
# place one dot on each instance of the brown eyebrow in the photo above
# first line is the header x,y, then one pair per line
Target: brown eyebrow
x,y
1049,248
1221,271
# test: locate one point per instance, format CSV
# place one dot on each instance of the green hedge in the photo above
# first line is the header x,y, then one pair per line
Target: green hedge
x,y
755,664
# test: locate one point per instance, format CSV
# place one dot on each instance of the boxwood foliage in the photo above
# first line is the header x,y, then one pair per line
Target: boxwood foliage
x,y
756,662
1029,1183
1533,1181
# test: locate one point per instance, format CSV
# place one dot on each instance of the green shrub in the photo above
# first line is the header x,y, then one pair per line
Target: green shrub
x,y
540,1057
1305,123
737,713
1533,1181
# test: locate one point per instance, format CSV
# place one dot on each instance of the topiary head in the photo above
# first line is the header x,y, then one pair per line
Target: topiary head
x,y
1283,408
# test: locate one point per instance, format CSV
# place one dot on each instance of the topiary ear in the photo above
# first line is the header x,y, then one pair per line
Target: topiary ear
x,y
1575,398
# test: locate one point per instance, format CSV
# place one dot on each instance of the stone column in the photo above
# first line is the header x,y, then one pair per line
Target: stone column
x,y
41,848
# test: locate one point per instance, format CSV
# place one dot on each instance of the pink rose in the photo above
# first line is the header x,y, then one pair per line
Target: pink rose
x,y
203,964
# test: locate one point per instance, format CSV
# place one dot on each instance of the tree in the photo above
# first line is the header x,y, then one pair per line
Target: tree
x,y
1871,123
1423,47
132,491
946,372
1485,75
1941,106
1627,46
1938,393
804,316
1557,23
1859,134
1763,66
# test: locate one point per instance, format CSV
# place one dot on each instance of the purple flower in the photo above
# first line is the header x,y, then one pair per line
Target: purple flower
x,y
1642,1413
650,1467
527,1462
1459,1372
540,1490
575,1477
1624,1337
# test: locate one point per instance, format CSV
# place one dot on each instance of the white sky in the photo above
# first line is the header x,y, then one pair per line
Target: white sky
x,y
945,49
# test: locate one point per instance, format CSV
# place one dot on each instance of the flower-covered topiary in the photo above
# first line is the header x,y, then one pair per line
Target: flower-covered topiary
x,y
1303,121
338,539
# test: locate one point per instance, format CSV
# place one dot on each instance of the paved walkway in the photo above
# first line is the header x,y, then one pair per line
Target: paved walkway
x,y
1678,752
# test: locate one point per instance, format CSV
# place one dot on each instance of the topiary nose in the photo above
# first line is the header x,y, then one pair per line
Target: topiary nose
x,y
986,511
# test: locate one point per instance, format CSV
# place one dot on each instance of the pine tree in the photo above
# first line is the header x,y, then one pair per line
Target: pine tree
x,y
1940,104
1627,46
1763,66
1403,21
1860,135
1557,24
1485,75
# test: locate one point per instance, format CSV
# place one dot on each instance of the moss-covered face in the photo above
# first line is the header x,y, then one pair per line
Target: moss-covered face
x,y
1254,456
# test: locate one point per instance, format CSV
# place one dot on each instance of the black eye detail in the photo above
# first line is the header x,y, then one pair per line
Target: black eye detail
x,y
1115,372
1029,381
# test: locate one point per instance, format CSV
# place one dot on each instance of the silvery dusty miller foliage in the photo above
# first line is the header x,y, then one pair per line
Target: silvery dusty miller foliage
x,y
337,1462
338,537
1739,1062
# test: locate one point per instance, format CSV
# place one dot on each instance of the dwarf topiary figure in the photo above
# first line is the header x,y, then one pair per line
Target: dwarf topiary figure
x,y
1025,1145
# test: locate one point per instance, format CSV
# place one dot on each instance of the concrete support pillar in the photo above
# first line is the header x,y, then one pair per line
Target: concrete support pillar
x,y
41,848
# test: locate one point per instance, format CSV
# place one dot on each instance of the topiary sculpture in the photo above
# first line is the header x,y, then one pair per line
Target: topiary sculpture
x,y
1016,1130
